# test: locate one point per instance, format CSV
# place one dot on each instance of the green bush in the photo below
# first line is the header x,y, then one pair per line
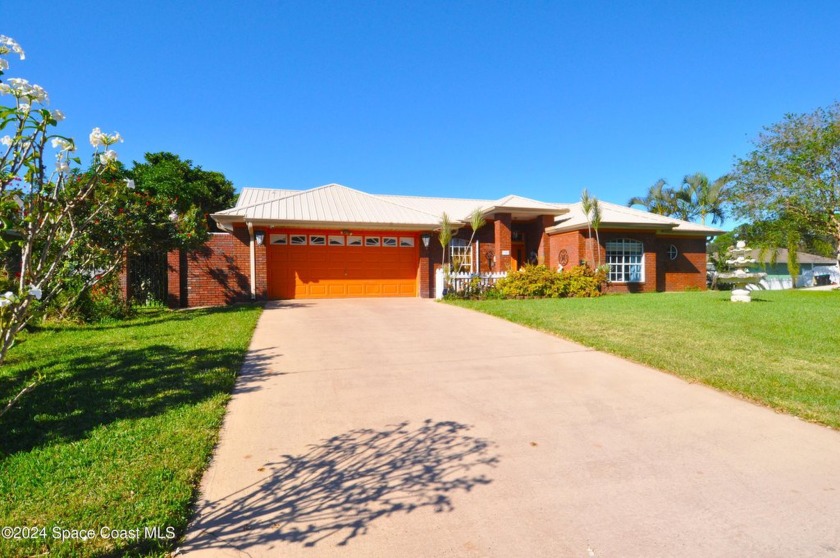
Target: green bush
x,y
102,302
538,281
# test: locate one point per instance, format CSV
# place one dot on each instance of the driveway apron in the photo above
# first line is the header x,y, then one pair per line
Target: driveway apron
x,y
409,428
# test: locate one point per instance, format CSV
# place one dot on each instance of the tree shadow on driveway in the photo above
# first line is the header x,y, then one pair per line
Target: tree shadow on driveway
x,y
343,484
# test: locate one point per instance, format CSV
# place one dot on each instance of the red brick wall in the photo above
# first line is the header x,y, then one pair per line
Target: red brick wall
x,y
218,273
570,242
688,270
661,274
175,295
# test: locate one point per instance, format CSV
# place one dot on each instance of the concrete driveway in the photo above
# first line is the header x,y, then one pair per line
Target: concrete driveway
x,y
408,428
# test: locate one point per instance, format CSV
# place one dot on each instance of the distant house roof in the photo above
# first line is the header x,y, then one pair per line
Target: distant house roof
x,y
619,216
339,205
781,257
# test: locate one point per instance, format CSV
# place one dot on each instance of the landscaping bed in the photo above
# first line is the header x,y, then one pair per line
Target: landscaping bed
x,y
782,350
105,455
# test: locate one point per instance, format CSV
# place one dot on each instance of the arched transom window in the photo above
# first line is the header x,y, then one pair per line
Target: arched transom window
x,y
626,259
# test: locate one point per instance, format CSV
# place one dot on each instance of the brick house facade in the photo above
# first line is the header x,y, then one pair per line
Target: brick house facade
x,y
245,263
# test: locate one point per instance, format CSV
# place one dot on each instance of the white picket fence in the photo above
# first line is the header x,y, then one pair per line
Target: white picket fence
x,y
460,281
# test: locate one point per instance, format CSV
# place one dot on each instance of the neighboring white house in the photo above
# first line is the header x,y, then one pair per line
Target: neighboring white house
x,y
813,269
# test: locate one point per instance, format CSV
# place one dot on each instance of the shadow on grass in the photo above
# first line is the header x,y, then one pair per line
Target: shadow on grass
x,y
343,484
102,387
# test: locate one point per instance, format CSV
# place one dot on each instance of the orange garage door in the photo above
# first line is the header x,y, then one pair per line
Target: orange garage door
x,y
332,265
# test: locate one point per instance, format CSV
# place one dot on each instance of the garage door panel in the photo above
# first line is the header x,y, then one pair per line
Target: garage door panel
x,y
305,271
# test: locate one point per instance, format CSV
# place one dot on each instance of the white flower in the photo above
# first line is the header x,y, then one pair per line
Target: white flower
x,y
9,295
97,137
57,115
108,157
5,88
24,107
8,44
63,144
4,302
129,184
173,216
36,292
4,64
62,166
6,140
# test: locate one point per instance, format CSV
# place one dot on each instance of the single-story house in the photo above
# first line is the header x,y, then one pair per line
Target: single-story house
x,y
813,269
333,241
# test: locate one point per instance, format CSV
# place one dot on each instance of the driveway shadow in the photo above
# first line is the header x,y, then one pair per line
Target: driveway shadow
x,y
343,484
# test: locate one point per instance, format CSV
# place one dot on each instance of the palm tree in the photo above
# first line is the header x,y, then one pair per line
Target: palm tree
x,y
586,204
445,235
660,199
477,221
596,224
706,199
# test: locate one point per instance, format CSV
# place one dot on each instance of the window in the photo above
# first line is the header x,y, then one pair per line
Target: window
x,y
673,252
298,240
336,240
317,240
277,239
406,242
354,241
371,241
460,255
389,241
626,260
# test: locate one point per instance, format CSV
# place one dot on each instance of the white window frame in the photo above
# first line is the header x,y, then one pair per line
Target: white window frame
x,y
461,252
626,258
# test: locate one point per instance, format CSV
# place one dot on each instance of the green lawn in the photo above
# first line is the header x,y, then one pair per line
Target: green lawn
x,y
781,350
119,430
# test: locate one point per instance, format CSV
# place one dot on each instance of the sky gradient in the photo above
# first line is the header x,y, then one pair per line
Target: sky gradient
x,y
462,99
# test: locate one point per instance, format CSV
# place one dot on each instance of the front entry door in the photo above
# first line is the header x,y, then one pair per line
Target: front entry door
x,y
517,255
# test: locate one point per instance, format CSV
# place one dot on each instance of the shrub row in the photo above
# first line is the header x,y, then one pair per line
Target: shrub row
x,y
538,281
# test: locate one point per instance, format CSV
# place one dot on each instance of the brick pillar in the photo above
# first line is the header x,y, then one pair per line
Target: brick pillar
x,y
544,251
125,283
501,233
173,279
424,271
261,268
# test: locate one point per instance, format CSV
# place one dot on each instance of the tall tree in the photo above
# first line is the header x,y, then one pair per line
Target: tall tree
x,y
662,200
703,198
794,171
186,188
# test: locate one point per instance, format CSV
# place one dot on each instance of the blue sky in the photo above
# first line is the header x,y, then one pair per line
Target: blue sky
x,y
464,99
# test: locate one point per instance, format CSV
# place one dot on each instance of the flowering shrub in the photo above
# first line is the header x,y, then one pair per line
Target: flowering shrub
x,y
538,281
47,211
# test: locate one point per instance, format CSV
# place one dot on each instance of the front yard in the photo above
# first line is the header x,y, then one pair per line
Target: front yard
x,y
781,350
117,434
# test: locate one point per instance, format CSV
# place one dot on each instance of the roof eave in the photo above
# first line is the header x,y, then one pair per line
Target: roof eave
x,y
340,225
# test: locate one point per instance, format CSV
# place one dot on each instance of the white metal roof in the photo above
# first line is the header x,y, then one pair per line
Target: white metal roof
x,y
619,215
251,196
333,204
337,204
